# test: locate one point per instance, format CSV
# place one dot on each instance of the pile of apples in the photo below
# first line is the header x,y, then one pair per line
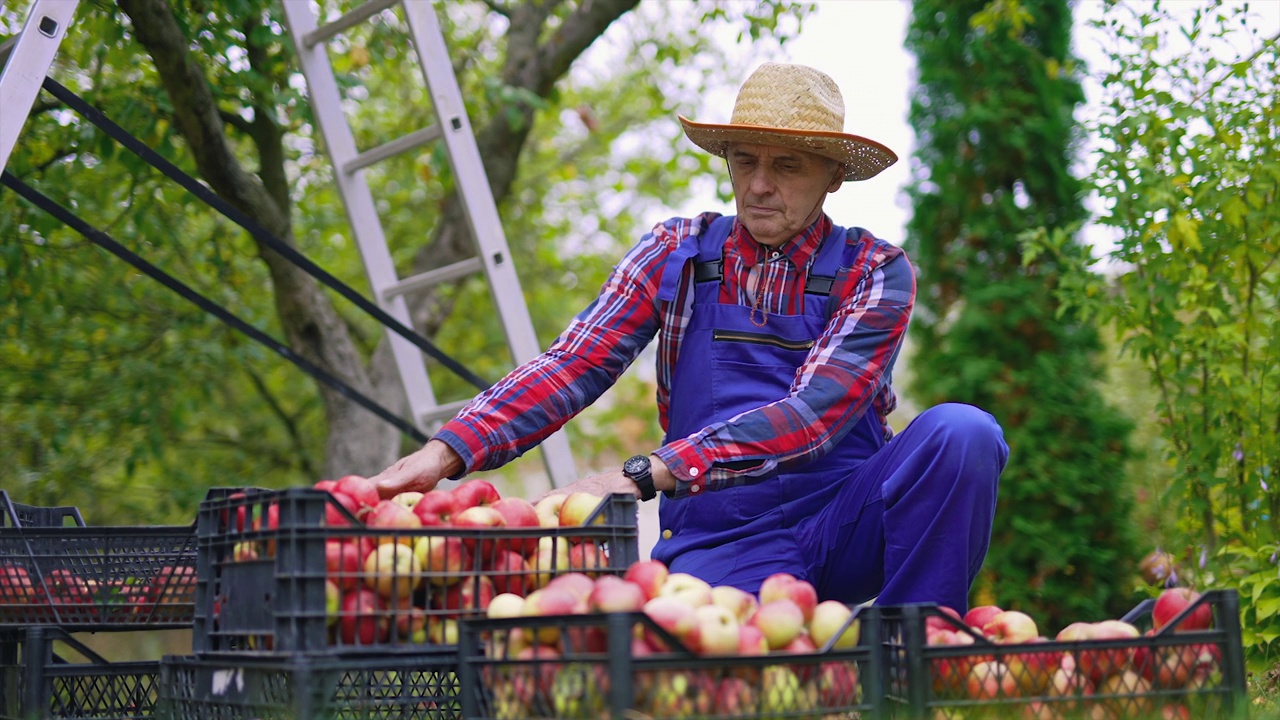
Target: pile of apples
x,y
557,668
66,596
435,557
1129,676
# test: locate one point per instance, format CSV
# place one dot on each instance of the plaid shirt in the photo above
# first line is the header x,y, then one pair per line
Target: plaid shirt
x,y
855,352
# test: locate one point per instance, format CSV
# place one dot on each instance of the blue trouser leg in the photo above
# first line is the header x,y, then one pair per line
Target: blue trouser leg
x,y
912,523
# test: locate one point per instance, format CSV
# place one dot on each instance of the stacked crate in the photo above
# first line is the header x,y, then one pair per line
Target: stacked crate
x,y
60,577
295,617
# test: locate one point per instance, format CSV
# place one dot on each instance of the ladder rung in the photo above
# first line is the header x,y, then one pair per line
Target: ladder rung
x,y
433,277
393,148
441,412
346,22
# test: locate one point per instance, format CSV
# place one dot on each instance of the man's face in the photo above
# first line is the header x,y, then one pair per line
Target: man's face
x,y
779,191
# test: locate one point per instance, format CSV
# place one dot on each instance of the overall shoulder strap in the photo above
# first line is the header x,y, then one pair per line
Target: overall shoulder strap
x,y
692,246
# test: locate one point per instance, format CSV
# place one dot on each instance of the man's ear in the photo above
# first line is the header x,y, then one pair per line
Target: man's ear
x,y
837,180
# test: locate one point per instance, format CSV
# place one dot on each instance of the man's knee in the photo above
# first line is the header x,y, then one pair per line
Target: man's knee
x,y
963,426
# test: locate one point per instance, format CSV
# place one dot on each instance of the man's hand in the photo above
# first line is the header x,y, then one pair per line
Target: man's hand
x,y
603,484
420,471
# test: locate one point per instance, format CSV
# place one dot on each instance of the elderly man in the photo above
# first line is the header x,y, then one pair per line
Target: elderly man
x,y
777,335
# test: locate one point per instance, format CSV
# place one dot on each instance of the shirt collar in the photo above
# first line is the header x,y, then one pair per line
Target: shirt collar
x,y
799,249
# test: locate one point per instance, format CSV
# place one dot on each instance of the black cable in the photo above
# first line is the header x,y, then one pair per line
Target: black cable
x,y
105,241
159,162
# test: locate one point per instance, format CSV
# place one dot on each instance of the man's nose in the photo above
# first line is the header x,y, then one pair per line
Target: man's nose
x,y
762,181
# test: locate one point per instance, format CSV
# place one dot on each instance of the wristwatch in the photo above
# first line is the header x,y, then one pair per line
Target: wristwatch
x,y
640,471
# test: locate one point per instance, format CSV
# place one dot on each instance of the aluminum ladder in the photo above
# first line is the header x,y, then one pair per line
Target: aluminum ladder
x,y
32,52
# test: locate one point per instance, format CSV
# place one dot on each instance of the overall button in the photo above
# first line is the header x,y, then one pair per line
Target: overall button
x,y
666,534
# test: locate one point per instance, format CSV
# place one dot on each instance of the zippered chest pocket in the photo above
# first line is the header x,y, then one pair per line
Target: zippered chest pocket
x,y
760,338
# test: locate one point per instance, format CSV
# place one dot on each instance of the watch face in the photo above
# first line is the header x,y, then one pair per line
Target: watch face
x,y
636,465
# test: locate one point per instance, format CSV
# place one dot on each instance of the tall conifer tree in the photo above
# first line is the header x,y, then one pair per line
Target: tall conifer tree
x,y
993,113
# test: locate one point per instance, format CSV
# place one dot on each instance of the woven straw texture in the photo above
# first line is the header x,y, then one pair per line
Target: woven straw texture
x,y
797,107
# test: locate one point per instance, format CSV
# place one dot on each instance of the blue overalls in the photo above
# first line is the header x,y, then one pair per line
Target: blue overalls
x,y
908,519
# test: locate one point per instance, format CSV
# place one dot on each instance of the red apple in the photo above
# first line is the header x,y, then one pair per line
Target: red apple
x,y
363,618
362,489
785,585
751,641
436,508
649,575
16,587
550,601
484,520
1032,669
736,600
578,508
674,616
614,594
472,493
1173,601
587,557
411,623
334,515
469,597
393,571
981,615
510,573
519,513
579,584
343,562
837,684
951,674
394,521
948,619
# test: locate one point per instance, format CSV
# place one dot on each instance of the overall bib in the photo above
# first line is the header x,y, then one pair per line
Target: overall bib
x,y
741,535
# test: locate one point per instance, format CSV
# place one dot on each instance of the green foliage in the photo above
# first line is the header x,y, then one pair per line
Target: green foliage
x,y
1188,173
993,111
118,395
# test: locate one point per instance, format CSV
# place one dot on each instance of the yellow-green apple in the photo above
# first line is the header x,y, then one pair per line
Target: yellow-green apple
x,y
442,630
1127,694
990,680
469,597
1172,602
332,602
551,559
832,622
780,621
436,508
484,520
649,575
578,508
686,588
676,617
510,572
363,618
1068,682
548,509
736,600
587,557
505,605
518,513
579,690
244,551
442,559
786,585
951,673
1033,668
393,571
717,630
361,489
394,521
614,594
408,498
1010,626
981,615
550,601
343,562
471,493
781,691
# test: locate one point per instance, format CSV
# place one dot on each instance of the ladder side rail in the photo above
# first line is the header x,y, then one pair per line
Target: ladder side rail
x,y
27,65
326,102
482,213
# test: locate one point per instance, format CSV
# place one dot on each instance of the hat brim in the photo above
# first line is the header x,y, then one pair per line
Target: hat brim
x,y
862,158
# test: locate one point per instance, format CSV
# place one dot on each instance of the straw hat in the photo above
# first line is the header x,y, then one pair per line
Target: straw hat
x,y
797,107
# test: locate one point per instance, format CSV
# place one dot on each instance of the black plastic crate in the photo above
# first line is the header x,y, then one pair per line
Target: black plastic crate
x,y
421,685
91,578
596,668
46,673
264,580
1181,675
